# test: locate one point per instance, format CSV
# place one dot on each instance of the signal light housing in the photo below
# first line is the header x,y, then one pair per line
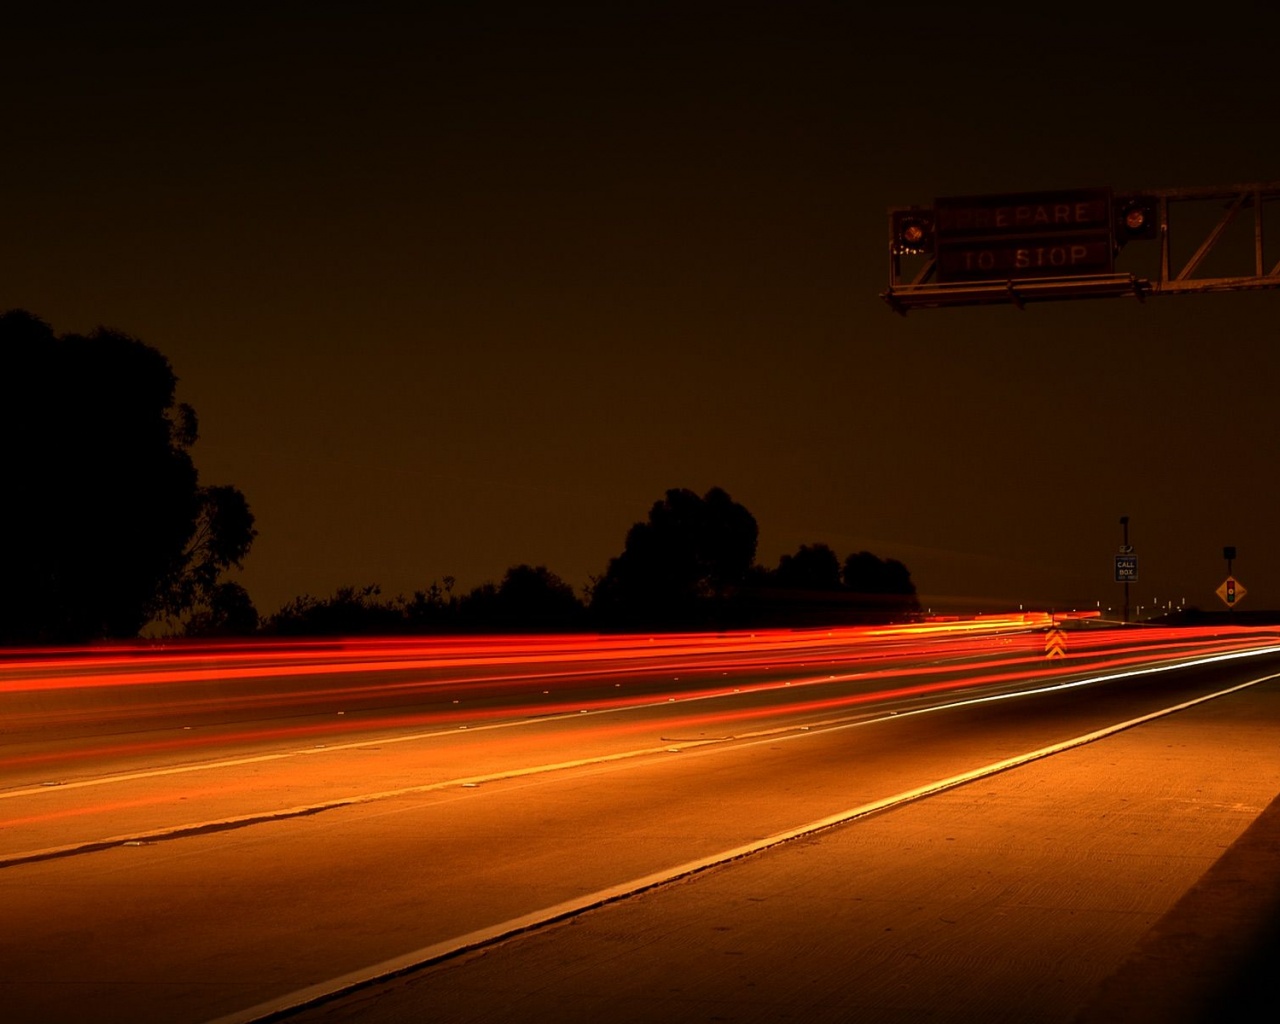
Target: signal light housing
x,y
1136,217
913,232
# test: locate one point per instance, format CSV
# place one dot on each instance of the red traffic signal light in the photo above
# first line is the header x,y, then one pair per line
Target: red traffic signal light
x,y
1136,217
913,232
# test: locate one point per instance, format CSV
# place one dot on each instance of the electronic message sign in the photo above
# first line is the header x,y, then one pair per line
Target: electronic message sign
x,y
1028,234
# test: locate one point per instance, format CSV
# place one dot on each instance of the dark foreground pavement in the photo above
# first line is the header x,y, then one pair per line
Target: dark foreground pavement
x,y
1134,879
1213,957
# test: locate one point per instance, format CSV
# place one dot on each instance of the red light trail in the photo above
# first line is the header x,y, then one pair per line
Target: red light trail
x,y
309,690
233,751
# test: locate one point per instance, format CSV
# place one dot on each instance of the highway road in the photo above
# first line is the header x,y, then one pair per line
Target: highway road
x,y
194,834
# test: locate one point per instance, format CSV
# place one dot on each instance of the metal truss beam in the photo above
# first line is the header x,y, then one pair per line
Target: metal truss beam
x,y
912,284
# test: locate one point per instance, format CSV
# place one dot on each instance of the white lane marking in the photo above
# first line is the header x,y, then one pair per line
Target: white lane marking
x,y
452,730
262,817
409,962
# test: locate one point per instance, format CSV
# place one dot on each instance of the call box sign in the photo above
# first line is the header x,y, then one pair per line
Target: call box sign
x,y
1029,234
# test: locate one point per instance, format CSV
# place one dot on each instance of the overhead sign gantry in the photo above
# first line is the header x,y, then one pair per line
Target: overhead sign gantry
x,y
1072,244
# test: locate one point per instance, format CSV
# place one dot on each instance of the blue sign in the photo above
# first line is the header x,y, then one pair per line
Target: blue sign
x,y
1126,568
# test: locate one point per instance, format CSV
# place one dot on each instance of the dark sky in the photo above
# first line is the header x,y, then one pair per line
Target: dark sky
x,y
473,286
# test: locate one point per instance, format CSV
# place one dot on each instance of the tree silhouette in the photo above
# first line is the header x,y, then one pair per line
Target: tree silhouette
x,y
803,590
351,611
528,598
813,567
882,586
432,610
679,567
223,534
106,526
227,610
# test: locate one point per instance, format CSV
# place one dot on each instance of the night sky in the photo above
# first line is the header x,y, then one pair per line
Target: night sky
x,y
474,286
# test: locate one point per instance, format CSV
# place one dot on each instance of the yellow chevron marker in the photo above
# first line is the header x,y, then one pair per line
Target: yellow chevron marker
x,y
1055,643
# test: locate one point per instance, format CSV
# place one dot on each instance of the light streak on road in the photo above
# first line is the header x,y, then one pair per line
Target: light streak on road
x,y
316,994
283,693
263,755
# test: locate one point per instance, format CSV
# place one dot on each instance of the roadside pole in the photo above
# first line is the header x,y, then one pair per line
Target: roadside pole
x,y
1124,548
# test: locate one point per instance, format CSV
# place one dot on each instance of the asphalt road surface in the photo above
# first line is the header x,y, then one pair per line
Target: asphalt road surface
x,y
152,870
1096,886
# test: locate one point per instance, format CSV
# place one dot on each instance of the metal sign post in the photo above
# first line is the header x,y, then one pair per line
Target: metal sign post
x,y
1231,589
1126,551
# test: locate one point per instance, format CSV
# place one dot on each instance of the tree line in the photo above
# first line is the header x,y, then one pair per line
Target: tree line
x,y
690,565
109,530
